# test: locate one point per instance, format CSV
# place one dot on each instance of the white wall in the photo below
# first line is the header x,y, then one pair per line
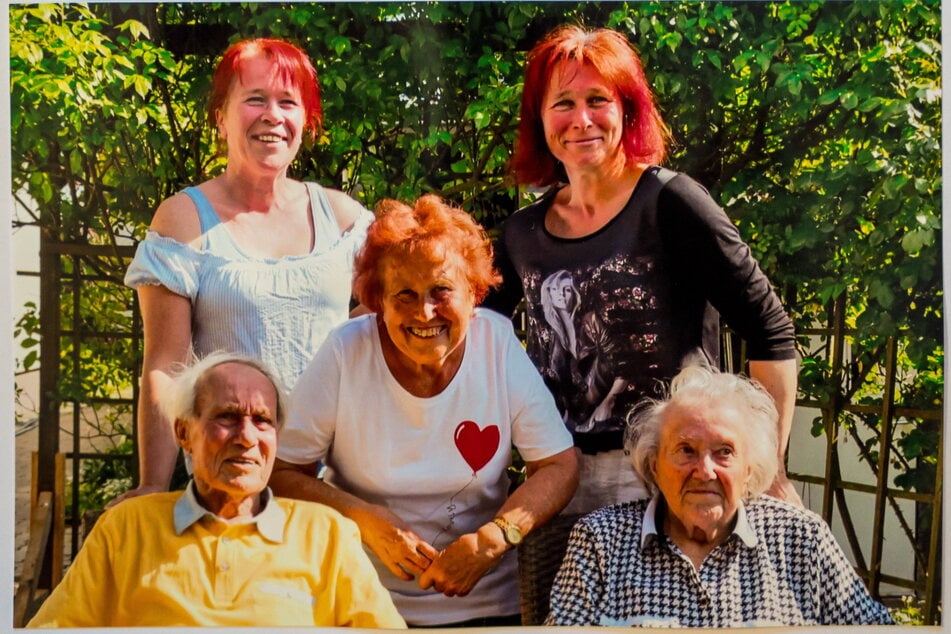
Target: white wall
x,y
807,456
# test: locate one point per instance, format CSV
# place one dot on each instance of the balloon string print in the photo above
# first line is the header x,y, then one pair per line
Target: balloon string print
x,y
476,446
451,513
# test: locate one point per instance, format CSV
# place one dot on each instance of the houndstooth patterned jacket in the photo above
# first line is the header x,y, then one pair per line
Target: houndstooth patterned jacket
x,y
781,566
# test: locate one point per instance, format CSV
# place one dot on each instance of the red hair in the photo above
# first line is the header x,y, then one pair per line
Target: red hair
x,y
645,135
430,229
292,65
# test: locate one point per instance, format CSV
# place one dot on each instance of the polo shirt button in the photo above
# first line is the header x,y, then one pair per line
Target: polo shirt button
x,y
224,567
225,540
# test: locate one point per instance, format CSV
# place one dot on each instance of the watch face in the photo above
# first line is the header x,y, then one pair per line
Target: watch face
x,y
511,533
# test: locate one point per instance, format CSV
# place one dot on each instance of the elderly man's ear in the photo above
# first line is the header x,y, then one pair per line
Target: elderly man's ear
x,y
181,434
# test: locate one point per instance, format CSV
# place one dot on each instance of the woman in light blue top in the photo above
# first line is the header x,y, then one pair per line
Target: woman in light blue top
x,y
250,261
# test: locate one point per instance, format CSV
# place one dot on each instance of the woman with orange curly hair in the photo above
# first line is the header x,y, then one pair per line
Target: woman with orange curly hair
x,y
415,410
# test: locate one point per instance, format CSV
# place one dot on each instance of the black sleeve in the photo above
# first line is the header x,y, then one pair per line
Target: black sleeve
x,y
507,296
706,250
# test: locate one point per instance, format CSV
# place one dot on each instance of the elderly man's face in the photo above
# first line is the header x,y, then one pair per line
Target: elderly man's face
x,y
233,441
702,469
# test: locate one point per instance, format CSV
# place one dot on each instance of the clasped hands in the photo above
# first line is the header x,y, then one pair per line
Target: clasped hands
x,y
453,571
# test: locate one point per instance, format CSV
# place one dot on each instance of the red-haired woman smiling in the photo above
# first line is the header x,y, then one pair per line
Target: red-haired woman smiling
x,y
250,261
652,256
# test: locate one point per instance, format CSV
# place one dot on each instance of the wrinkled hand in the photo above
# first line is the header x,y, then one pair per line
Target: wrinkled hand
x,y
401,550
144,489
783,489
457,568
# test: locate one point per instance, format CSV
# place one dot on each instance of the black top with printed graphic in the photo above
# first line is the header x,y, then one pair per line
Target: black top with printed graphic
x,y
615,314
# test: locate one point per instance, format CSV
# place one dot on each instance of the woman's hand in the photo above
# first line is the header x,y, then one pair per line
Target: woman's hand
x,y
401,550
393,542
456,569
389,537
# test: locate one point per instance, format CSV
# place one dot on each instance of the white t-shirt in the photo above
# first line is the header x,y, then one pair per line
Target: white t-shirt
x,y
438,463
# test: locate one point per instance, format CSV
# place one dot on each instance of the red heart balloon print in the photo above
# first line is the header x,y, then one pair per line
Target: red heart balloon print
x,y
477,446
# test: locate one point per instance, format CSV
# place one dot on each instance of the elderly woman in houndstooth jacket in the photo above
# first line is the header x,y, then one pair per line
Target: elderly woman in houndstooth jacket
x,y
708,549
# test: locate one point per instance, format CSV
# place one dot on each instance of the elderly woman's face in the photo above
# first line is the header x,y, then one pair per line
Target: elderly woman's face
x,y
702,468
426,307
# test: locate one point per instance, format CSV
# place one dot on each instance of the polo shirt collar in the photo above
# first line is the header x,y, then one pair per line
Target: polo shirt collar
x,y
743,530
269,521
649,531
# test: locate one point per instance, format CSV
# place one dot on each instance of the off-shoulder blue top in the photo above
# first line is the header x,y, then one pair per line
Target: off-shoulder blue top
x,y
276,309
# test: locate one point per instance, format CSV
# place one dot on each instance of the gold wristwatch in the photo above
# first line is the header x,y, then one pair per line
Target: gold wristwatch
x,y
511,532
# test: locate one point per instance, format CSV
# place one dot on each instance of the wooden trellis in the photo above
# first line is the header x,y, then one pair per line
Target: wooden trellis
x,y
928,560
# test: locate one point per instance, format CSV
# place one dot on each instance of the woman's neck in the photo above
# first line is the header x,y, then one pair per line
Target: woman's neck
x,y
257,193
696,542
590,201
266,218
423,380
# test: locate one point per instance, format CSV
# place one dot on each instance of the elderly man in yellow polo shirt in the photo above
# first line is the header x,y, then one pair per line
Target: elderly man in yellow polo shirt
x,y
224,552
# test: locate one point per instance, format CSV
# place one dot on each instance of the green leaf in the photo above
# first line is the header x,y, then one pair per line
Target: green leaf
x,y
142,86
916,240
76,161
849,100
135,28
31,359
481,119
883,293
340,44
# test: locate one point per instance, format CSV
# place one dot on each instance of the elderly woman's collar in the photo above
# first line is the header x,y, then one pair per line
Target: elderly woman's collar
x,y
649,531
270,520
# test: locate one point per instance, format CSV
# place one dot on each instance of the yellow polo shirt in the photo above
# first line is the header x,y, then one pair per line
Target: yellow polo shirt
x,y
162,560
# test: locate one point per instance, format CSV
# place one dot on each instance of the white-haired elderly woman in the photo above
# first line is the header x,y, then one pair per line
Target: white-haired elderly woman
x,y
709,549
